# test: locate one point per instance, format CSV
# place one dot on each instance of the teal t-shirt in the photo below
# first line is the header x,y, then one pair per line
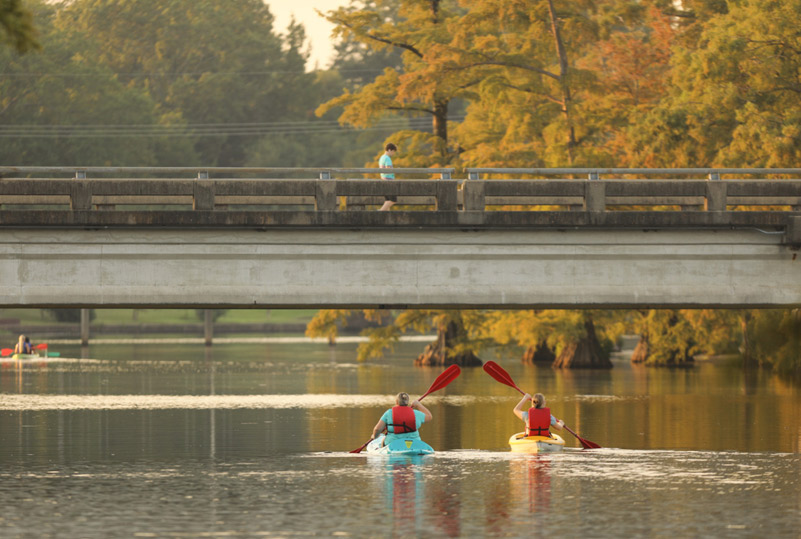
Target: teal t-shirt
x,y
419,419
386,161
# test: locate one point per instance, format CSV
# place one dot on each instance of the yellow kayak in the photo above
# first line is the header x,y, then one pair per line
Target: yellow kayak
x,y
520,443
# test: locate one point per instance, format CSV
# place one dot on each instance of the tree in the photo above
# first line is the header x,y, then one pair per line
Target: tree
x,y
58,107
454,343
734,97
414,90
570,338
16,26
211,63
666,339
776,338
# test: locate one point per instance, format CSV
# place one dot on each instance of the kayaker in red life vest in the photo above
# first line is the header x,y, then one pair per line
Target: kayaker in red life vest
x,y
403,420
538,419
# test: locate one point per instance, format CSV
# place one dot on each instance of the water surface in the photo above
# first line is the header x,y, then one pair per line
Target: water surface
x,y
252,440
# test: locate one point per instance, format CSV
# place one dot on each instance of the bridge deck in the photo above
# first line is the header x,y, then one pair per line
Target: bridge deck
x,y
507,243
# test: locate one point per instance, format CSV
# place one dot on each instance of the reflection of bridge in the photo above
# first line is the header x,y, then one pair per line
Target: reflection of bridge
x,y
235,237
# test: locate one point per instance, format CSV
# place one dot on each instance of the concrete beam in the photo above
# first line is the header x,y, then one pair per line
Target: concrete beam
x,y
393,267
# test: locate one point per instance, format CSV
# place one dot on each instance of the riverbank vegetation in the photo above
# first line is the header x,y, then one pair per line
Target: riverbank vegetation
x,y
469,83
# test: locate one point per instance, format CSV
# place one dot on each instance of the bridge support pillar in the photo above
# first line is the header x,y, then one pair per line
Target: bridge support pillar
x,y
208,327
84,327
793,233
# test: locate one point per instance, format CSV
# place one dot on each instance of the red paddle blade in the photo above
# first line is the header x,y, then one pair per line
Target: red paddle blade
x,y
449,375
6,352
42,346
497,372
586,444
361,448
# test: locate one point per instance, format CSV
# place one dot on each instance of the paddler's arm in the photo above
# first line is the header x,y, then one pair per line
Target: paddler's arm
x,y
379,428
519,408
417,405
558,423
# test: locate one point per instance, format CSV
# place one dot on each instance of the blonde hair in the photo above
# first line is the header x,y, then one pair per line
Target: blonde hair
x,y
539,400
402,399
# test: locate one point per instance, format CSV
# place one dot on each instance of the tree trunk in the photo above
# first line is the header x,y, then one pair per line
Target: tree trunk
x,y
586,353
563,83
748,356
440,125
539,354
640,354
439,353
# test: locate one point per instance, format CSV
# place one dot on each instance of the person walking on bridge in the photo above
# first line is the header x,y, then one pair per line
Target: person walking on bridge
x,y
386,162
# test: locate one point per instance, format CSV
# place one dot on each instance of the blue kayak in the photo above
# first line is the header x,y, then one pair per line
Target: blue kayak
x,y
398,447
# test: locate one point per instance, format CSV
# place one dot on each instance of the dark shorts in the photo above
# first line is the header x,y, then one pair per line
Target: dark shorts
x,y
391,198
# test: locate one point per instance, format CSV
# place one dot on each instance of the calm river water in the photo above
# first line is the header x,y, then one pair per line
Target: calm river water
x,y
253,440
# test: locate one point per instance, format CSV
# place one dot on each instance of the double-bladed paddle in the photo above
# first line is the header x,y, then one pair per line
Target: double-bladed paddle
x,y
8,351
497,372
448,376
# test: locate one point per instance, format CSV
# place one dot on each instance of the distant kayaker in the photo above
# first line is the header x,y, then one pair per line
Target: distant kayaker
x,y
403,420
23,346
538,419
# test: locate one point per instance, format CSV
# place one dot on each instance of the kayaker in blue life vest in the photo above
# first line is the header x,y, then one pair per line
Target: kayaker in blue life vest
x,y
538,419
403,420
23,346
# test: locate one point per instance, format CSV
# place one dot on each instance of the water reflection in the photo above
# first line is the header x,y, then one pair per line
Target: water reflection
x,y
252,440
710,407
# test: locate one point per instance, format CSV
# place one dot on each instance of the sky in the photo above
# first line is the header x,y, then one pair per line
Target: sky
x,y
318,30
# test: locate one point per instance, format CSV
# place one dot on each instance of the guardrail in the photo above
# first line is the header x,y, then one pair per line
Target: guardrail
x,y
255,197
89,189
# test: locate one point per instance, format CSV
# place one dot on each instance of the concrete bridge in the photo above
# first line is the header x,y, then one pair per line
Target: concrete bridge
x,y
499,238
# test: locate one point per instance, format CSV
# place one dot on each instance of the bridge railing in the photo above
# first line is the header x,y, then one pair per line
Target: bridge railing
x,y
107,188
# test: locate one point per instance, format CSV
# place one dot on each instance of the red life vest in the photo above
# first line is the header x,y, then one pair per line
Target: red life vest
x,y
403,420
539,421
